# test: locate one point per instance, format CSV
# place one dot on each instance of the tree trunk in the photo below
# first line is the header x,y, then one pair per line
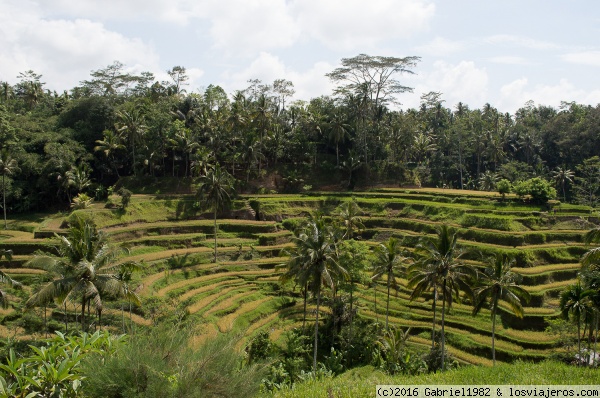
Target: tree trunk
x,y
579,340
316,333
434,318
215,235
4,201
387,308
494,338
351,310
66,321
376,314
82,313
305,297
443,330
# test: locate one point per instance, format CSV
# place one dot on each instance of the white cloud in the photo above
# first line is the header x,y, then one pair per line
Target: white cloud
x,y
248,27
519,41
353,24
175,11
440,46
516,93
462,82
267,67
591,58
509,60
64,51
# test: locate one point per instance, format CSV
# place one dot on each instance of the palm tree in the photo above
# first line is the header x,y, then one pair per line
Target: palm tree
x,y
131,123
389,262
338,131
4,278
8,166
110,143
561,177
78,177
214,192
85,267
422,277
576,300
452,275
348,215
314,258
124,275
499,283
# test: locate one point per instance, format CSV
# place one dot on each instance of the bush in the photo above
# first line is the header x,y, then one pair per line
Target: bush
x,y
539,190
125,195
163,364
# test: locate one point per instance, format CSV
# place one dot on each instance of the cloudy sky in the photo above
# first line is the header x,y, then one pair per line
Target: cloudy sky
x,y
475,51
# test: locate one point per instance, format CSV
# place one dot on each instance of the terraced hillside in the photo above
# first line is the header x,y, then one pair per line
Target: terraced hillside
x,y
241,294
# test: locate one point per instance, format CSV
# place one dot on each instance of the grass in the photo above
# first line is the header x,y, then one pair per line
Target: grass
x,y
237,293
361,382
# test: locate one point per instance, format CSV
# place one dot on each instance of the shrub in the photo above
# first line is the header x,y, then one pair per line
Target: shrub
x,y
539,190
125,195
161,363
504,187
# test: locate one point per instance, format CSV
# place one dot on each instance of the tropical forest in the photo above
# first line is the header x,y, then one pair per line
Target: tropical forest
x,y
160,240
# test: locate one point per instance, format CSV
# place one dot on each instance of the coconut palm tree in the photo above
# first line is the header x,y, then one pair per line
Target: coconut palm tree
x,y
8,166
315,259
110,143
423,277
5,279
575,300
215,192
338,131
389,262
348,214
131,123
561,177
499,283
85,267
453,276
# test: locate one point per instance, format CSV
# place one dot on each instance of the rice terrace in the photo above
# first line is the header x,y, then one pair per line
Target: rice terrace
x,y
165,243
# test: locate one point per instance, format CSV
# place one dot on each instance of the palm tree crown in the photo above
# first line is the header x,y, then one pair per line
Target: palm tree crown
x,y
498,282
215,192
85,268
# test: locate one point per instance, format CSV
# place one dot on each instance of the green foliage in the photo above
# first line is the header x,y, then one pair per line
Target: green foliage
x,y
54,369
539,190
125,195
161,363
503,187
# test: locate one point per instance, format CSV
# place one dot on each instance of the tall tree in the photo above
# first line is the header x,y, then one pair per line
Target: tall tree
x,y
374,76
315,256
423,277
499,283
8,166
131,123
563,176
215,192
575,300
453,276
110,144
389,262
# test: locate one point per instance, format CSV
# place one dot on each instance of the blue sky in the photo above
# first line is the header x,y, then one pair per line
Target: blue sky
x,y
475,51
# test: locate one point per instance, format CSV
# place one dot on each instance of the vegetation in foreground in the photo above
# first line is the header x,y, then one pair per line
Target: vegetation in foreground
x,y
361,382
